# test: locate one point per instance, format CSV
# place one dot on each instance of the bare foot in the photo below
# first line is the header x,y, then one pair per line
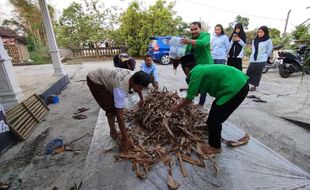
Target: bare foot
x,y
210,150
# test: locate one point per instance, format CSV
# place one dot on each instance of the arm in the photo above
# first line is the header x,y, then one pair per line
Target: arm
x,y
269,49
241,42
192,91
141,98
227,46
184,103
142,67
155,74
119,103
202,42
121,125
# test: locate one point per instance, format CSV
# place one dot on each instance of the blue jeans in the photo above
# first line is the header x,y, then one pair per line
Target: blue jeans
x,y
219,61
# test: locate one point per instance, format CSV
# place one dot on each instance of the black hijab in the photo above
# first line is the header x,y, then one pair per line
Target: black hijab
x,y
236,48
262,39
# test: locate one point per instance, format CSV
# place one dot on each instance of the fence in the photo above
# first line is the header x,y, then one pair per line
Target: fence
x,y
97,52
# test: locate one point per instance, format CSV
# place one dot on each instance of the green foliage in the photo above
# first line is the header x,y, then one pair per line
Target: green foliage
x,y
89,27
247,51
40,56
239,19
301,32
250,36
138,25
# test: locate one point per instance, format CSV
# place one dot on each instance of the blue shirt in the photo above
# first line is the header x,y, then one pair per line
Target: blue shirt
x,y
152,70
264,50
219,47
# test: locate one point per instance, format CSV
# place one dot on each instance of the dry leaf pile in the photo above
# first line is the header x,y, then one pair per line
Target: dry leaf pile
x,y
159,135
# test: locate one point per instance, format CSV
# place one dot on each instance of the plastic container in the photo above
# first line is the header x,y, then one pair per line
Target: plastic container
x,y
177,50
53,99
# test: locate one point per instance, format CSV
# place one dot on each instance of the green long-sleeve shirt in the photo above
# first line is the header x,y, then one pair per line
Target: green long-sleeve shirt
x,y
202,50
220,81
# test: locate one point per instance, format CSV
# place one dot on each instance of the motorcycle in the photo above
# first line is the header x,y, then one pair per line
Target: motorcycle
x,y
274,62
291,62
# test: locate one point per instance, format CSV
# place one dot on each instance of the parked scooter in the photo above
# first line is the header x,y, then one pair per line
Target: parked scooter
x,y
274,62
292,62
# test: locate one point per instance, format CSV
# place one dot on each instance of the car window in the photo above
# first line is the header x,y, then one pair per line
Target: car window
x,y
166,41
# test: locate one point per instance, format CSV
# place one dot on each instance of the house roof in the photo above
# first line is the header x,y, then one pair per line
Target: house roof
x,y
6,32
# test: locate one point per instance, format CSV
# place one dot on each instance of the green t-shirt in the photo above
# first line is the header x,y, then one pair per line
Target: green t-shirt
x,y
220,81
202,50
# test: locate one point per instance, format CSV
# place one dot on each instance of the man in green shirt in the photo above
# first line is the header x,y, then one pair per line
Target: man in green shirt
x,y
199,45
227,84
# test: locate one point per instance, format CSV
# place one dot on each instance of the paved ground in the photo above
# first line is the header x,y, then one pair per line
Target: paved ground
x,y
23,162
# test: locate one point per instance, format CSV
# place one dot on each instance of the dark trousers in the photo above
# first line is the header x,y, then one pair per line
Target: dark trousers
x,y
255,71
235,62
219,114
202,98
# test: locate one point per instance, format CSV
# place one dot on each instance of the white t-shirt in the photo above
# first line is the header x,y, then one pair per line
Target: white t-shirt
x,y
119,97
116,81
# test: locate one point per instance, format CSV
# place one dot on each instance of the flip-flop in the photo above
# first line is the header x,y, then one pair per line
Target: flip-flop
x,y
4,186
252,96
80,110
79,116
244,140
259,100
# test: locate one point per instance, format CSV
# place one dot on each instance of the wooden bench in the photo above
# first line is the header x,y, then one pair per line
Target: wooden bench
x,y
23,118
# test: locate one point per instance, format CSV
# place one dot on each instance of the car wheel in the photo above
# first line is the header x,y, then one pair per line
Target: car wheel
x,y
165,60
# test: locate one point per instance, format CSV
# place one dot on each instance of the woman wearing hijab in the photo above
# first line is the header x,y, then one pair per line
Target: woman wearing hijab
x,y
219,45
237,42
261,49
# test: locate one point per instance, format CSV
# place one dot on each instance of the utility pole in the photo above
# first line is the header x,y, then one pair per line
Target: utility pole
x,y
288,15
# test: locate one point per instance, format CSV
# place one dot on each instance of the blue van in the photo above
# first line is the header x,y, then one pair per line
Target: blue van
x,y
159,49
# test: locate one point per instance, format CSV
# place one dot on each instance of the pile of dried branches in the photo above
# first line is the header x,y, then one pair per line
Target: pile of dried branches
x,y
160,135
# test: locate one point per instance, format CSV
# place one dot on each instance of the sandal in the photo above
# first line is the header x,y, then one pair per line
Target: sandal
x,y
80,110
259,100
252,96
244,140
4,186
79,116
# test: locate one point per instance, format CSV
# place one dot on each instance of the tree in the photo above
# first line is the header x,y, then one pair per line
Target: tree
x,y
301,32
238,19
78,27
138,25
29,21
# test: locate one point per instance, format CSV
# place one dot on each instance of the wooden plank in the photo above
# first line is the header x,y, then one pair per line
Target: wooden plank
x,y
31,101
24,117
30,112
15,111
20,120
30,128
27,125
16,133
41,113
41,101
35,106
13,118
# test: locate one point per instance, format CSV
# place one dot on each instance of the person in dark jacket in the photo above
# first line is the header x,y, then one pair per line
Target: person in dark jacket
x,y
237,42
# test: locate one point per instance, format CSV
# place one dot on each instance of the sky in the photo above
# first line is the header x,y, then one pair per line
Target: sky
x,y
261,12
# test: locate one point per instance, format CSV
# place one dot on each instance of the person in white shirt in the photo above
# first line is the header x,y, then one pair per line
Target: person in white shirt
x,y
110,87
